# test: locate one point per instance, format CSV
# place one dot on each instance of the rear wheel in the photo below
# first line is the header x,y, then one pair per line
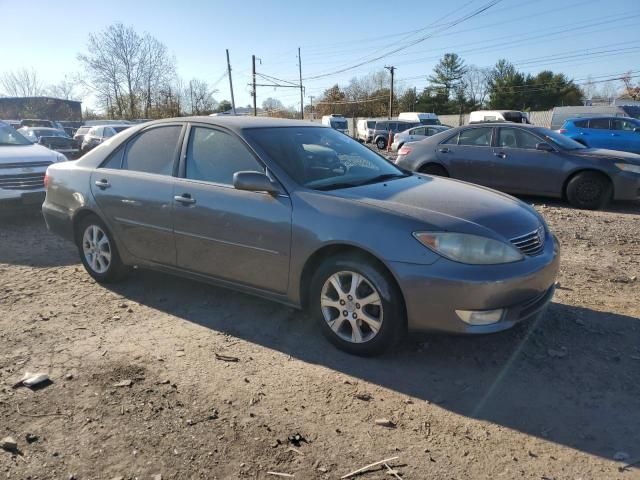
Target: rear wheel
x,y
98,251
589,190
381,143
433,169
357,306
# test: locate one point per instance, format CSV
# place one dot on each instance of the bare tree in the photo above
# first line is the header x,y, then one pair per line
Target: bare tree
x,y
633,91
588,88
67,89
475,82
199,97
608,91
21,83
125,69
272,104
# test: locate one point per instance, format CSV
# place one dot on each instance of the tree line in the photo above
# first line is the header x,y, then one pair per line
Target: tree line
x,y
453,88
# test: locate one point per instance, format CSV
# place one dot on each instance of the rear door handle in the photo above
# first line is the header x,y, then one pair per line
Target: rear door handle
x,y
500,155
103,183
185,199
444,150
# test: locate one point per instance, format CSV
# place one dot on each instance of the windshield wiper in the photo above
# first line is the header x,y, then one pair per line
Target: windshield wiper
x,y
382,178
335,186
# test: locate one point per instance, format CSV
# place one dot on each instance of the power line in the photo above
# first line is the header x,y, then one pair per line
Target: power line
x,y
410,44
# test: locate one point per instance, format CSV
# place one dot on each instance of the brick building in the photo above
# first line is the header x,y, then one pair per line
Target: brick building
x,y
17,108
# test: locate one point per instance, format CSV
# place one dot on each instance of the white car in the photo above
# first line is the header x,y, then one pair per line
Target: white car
x,y
23,166
415,134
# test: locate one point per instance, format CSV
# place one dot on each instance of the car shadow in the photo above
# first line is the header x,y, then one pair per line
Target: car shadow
x,y
24,240
570,377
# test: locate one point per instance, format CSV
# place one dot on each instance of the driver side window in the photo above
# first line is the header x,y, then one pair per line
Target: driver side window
x,y
214,156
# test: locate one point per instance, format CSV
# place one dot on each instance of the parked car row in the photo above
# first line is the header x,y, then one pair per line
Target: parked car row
x,y
614,133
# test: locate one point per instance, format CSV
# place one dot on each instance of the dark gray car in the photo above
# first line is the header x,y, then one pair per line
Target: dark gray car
x,y
528,160
306,216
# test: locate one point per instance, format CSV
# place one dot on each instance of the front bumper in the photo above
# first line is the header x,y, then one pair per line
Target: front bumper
x,y
20,199
626,186
434,292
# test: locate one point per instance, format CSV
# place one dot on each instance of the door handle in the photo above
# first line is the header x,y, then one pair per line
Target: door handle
x,y
103,183
614,135
500,155
444,150
185,199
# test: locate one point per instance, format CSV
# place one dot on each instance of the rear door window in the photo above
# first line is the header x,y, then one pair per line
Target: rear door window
x,y
477,137
517,138
599,123
581,123
153,151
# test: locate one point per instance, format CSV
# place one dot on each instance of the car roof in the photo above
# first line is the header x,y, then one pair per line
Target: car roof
x,y
241,122
594,117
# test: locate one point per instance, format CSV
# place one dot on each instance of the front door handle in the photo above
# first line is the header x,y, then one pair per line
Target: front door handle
x,y
185,199
500,155
444,150
103,183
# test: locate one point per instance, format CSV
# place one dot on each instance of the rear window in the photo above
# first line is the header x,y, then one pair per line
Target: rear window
x,y
477,137
581,123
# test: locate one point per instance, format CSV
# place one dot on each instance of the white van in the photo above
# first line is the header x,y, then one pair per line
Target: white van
x,y
515,116
337,122
364,130
420,117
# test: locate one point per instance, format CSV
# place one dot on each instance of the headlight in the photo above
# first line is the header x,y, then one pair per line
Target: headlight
x,y
60,157
628,167
471,249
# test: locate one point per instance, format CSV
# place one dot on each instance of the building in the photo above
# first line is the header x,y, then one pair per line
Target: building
x,y
40,107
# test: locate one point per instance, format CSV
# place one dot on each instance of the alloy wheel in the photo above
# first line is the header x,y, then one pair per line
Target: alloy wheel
x,y
96,249
351,306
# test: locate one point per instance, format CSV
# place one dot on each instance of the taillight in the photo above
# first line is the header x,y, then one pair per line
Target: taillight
x,y
562,130
404,150
46,179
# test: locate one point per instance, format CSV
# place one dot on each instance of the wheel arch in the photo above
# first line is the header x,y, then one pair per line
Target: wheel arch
x,y
335,249
574,173
429,162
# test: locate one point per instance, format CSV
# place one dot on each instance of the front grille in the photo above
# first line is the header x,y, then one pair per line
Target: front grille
x,y
24,165
532,243
25,181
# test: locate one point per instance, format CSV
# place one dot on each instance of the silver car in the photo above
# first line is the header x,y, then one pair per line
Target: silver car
x,y
309,217
22,170
415,134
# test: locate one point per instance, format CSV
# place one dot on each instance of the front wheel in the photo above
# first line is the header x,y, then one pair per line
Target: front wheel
x,y
98,251
381,143
357,306
589,190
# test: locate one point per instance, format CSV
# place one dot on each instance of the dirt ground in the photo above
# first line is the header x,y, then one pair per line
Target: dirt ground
x,y
558,398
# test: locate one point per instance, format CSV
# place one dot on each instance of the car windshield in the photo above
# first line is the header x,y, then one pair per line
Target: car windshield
x,y
560,140
120,129
8,136
322,158
49,133
339,124
429,121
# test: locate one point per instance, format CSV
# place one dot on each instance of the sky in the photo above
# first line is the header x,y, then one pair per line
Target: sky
x,y
581,38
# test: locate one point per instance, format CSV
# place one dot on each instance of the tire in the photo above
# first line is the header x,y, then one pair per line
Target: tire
x,y
98,251
433,169
381,143
384,310
589,190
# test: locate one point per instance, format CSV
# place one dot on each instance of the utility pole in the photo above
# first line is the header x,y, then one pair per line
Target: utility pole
x,y
311,102
301,87
391,69
233,102
253,93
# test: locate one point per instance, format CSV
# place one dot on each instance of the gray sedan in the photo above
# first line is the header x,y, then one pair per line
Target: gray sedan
x,y
304,215
416,134
529,160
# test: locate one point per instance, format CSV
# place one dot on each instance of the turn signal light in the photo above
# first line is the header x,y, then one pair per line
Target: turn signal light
x,y
405,151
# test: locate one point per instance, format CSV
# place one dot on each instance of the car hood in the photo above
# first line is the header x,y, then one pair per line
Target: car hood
x,y
449,205
25,154
603,153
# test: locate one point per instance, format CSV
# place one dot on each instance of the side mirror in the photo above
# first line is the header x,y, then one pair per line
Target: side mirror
x,y
254,182
545,147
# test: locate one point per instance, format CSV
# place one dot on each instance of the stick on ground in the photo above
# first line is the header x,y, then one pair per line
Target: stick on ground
x,y
368,467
